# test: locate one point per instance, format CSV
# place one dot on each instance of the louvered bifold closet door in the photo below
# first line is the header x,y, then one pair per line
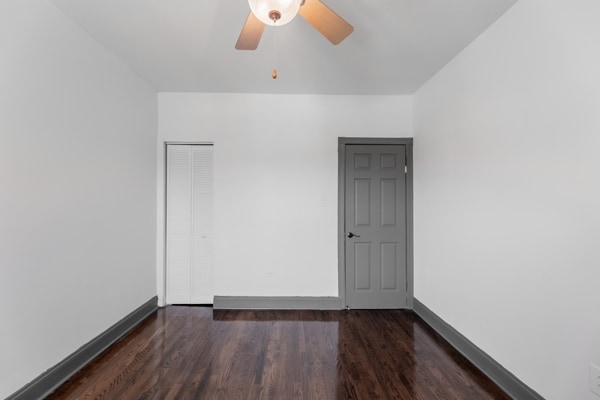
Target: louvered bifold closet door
x,y
189,244
202,225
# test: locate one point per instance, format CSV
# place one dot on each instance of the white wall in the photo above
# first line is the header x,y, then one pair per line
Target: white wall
x,y
507,194
78,190
275,181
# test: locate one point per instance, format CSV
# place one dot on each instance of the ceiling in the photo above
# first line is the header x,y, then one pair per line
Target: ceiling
x,y
188,45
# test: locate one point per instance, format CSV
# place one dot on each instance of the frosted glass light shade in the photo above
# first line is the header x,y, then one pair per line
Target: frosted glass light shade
x,y
287,8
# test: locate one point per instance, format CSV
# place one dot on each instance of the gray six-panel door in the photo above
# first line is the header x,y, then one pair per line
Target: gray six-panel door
x,y
375,226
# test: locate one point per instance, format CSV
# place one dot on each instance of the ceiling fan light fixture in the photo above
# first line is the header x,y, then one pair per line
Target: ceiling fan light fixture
x,y
264,10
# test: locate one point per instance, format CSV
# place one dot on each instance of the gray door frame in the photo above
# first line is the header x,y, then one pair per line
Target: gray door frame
x,y
342,142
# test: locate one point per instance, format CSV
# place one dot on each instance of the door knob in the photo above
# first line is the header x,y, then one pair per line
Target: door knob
x,y
351,235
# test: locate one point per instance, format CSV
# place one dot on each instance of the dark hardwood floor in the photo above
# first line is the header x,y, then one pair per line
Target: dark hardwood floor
x,y
197,353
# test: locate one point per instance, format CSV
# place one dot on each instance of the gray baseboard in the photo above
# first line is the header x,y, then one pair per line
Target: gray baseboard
x,y
496,372
47,382
276,303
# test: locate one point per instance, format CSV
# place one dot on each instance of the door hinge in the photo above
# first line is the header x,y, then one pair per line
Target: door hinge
x,y
406,169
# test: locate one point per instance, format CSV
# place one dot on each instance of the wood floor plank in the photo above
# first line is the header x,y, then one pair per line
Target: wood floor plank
x,y
200,353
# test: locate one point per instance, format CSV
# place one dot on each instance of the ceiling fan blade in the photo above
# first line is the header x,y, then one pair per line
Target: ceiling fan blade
x,y
251,33
325,20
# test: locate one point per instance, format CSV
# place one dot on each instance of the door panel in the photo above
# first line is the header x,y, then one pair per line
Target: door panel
x,y
389,261
375,211
362,255
388,202
179,208
362,161
362,208
202,262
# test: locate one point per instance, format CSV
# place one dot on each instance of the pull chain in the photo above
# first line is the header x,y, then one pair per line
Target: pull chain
x,y
274,74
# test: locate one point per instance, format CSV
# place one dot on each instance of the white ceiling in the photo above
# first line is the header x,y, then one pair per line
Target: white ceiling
x,y
188,45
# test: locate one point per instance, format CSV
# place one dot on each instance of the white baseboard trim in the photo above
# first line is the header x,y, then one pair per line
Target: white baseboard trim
x,y
276,303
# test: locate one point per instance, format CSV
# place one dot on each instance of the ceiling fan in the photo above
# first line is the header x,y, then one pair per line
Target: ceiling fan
x,y
280,12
